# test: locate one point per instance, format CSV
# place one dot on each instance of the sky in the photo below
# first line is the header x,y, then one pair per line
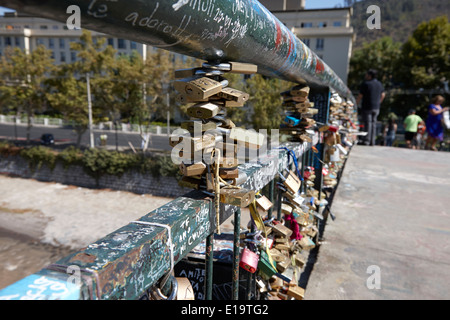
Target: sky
x,y
309,4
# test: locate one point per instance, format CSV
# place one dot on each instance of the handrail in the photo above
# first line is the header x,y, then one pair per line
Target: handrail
x,y
212,30
128,261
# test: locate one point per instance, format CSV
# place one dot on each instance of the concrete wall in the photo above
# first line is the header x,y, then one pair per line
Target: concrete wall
x,y
74,175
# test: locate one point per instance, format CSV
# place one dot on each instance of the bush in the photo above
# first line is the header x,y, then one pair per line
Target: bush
x,y
71,156
37,156
7,149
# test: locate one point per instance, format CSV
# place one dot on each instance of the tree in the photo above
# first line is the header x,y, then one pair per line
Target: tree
x,y
425,60
381,55
24,74
68,96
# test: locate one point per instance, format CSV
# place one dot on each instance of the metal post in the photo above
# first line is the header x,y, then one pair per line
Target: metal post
x,y
236,247
271,197
209,259
91,133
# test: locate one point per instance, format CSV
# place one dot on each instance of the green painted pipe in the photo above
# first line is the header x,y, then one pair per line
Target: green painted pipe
x,y
212,30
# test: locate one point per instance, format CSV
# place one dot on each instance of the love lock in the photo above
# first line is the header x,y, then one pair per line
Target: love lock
x,y
156,292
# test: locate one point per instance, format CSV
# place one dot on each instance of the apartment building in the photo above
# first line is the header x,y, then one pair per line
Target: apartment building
x,y
327,32
28,32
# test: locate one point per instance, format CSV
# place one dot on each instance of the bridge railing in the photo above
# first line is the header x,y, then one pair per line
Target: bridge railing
x,y
129,261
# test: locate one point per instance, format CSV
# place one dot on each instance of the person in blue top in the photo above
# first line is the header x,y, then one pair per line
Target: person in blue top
x,y
434,126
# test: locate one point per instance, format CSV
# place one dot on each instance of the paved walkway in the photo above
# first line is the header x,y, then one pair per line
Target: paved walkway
x,y
392,229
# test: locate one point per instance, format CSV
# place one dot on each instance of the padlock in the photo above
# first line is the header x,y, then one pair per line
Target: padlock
x,y
284,264
292,121
195,143
204,110
237,197
299,260
306,243
199,87
233,67
198,126
189,170
286,209
233,95
299,90
249,260
264,203
292,182
265,267
281,230
185,290
295,291
190,182
228,173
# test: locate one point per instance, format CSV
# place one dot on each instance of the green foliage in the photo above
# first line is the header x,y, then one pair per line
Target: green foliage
x,y
37,156
70,156
98,162
425,59
381,54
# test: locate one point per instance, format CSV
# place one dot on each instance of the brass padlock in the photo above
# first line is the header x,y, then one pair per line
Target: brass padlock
x,y
203,110
195,143
264,203
292,182
190,182
300,90
198,126
281,230
233,95
189,170
228,173
286,209
199,88
237,197
295,291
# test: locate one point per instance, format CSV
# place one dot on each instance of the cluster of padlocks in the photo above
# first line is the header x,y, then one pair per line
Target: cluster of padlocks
x,y
299,114
208,147
338,138
275,251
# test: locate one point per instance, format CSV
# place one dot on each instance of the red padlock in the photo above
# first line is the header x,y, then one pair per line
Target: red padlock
x,y
249,260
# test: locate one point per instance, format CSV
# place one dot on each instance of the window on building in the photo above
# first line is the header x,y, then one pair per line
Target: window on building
x,y
322,24
133,45
73,56
306,25
337,24
306,41
319,43
43,27
7,41
62,43
121,44
17,41
40,41
62,56
55,27
111,42
51,43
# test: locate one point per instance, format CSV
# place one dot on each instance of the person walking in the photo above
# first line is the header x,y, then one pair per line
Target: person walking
x,y
390,130
371,95
435,130
411,124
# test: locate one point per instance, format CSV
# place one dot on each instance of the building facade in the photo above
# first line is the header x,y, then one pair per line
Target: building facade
x,y
327,32
27,33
